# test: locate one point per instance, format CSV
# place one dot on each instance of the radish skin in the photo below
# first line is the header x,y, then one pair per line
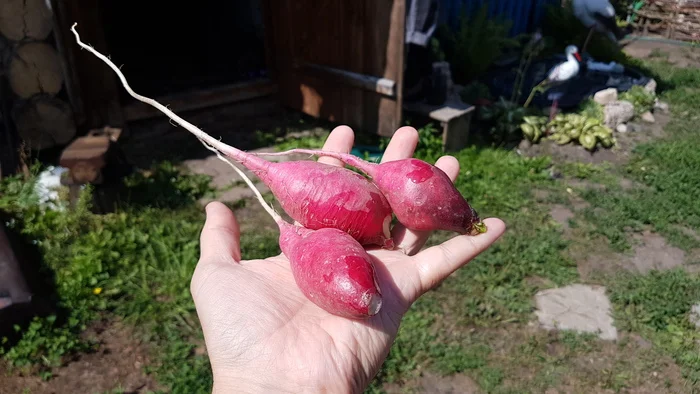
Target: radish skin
x,y
332,270
422,196
315,194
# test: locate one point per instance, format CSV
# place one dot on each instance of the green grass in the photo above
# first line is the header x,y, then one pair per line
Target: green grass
x,y
667,167
657,306
135,264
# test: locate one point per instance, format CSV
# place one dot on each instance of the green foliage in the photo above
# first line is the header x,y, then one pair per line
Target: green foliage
x,y
474,91
429,143
136,263
590,109
642,100
645,303
502,120
670,199
456,358
166,186
479,41
314,141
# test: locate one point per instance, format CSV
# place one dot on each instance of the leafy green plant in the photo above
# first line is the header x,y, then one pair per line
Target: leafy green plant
x,y
642,100
135,263
590,109
502,120
478,42
314,141
474,91
429,142
532,49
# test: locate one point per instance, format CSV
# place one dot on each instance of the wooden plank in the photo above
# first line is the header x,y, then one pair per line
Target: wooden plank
x,y
204,98
390,112
94,87
67,58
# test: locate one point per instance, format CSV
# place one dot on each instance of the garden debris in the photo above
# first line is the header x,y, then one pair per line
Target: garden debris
x,y
576,307
605,96
618,112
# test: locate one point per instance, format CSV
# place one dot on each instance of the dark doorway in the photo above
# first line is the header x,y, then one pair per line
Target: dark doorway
x,y
169,47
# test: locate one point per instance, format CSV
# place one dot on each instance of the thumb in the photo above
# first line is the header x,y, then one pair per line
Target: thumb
x,y
221,235
436,263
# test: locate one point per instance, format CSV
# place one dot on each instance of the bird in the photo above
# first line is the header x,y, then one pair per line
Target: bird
x,y
559,74
597,15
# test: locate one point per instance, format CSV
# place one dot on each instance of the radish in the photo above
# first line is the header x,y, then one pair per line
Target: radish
x,y
315,194
422,196
329,266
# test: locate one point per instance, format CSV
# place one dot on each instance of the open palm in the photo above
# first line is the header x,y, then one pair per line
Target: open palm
x,y
263,335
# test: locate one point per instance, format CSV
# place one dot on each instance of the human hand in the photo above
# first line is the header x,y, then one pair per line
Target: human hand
x,y
263,335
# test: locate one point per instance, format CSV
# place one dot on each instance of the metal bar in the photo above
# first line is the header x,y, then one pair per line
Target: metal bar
x,y
383,86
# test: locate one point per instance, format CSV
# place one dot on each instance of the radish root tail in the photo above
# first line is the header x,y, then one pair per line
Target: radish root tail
x,y
220,146
208,141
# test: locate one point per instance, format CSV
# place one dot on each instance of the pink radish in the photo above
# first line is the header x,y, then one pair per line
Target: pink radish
x,y
421,195
317,195
332,270
329,266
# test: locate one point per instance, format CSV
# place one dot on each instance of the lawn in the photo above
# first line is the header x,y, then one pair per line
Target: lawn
x,y
474,331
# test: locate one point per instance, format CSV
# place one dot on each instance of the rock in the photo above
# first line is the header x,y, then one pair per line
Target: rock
x,y
648,117
695,315
651,86
661,106
576,307
618,112
605,96
621,128
525,144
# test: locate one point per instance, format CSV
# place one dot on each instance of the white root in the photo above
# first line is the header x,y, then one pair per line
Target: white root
x,y
277,218
208,141
220,146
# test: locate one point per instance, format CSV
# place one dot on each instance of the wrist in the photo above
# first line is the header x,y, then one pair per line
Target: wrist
x,y
250,383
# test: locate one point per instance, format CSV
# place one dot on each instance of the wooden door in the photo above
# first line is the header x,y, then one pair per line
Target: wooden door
x,y
340,60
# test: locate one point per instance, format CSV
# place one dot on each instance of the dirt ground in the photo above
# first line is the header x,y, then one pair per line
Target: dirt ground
x,y
116,365
680,56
